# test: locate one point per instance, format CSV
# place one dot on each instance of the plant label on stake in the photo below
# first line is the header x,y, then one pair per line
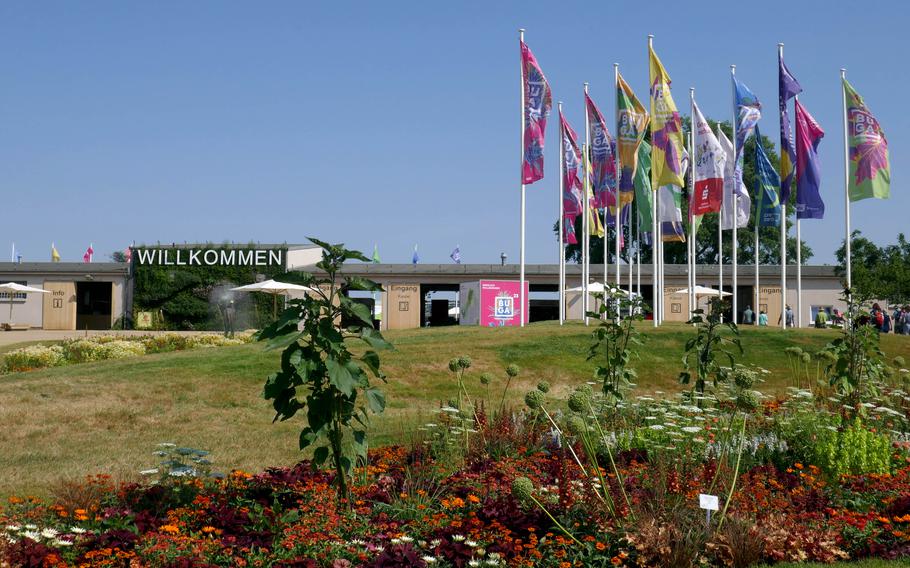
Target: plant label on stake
x,y
708,503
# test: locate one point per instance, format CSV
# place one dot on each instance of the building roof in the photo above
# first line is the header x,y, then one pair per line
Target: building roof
x,y
184,246
64,268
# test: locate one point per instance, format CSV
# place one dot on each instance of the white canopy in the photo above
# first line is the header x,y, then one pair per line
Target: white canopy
x,y
454,312
14,289
598,288
272,287
700,290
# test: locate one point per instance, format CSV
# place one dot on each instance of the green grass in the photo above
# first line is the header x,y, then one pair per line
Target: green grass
x,y
106,417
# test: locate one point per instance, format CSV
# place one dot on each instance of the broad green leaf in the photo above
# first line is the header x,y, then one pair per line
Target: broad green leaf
x,y
340,376
375,399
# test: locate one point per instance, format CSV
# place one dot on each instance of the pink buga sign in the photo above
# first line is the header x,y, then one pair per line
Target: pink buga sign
x,y
499,303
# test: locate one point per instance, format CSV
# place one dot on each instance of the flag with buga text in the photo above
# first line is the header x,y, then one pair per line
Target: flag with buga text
x,y
809,204
603,160
538,102
787,88
572,186
767,206
666,129
633,122
709,168
870,168
732,210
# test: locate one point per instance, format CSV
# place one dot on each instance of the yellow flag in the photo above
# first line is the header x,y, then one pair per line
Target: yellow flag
x,y
55,256
666,130
595,227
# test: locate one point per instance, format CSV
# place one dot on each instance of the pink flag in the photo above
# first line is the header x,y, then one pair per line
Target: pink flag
x,y
89,252
573,188
603,162
568,229
538,101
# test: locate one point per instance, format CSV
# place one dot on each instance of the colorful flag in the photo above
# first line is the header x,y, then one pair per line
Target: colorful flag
x,y
415,258
572,185
128,253
89,253
603,159
748,112
595,227
55,256
376,259
709,169
538,102
732,186
642,182
568,228
809,204
870,168
787,88
633,122
767,208
666,129
669,207
456,255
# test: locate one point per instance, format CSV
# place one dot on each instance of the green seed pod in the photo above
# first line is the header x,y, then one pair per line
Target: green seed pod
x,y
453,365
464,362
806,357
522,489
578,401
534,400
512,370
747,400
543,386
486,378
576,425
899,361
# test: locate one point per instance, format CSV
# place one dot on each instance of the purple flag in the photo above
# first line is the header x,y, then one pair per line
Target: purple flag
x,y
538,101
787,88
573,188
809,204
603,161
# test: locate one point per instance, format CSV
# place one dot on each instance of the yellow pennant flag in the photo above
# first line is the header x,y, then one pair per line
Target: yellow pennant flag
x,y
666,129
55,256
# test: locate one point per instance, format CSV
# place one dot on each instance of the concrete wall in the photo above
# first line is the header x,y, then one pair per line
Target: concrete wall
x,y
28,311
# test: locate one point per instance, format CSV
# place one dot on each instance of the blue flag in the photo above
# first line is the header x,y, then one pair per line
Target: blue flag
x,y
787,88
456,255
767,208
415,258
748,112
809,204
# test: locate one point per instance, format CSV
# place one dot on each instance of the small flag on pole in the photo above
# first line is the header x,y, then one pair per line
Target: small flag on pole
x,y
89,253
870,168
376,259
538,102
603,162
573,188
456,255
55,256
767,209
809,204
415,258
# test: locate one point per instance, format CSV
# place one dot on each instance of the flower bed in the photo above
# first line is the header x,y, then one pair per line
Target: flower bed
x,y
431,504
105,347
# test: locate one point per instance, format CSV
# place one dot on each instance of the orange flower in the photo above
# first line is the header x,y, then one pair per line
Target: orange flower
x,y
172,529
601,546
473,498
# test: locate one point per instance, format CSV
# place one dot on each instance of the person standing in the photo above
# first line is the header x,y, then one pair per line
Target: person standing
x,y
821,319
897,321
762,319
747,315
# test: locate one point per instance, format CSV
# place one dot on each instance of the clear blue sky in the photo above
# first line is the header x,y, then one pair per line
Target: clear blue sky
x,y
382,122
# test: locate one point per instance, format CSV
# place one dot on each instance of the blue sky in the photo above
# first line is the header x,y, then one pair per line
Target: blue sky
x,y
392,123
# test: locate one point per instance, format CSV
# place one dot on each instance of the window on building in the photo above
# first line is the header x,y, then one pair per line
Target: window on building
x,y
4,296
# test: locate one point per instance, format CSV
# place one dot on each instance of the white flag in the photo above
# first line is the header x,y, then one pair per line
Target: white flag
x,y
731,185
707,195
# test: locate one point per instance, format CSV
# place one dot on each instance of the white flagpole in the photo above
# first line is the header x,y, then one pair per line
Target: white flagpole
x,y
629,254
562,249
586,243
521,253
735,197
757,289
654,236
843,76
616,163
638,254
799,268
693,161
783,240
660,265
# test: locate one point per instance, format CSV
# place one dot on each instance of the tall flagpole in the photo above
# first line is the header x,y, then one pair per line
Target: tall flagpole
x,y
783,235
618,226
586,243
562,249
693,161
629,254
638,254
521,247
735,196
587,261
756,295
654,236
799,268
847,237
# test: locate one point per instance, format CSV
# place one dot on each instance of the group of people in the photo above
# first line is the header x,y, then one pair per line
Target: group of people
x,y
898,321
749,316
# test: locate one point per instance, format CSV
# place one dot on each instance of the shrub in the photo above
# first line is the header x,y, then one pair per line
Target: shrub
x,y
82,350
33,357
120,349
853,450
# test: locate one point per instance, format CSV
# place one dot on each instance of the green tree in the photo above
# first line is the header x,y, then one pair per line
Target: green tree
x,y
706,249
882,273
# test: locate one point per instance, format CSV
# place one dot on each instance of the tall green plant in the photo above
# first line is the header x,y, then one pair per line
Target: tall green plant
x,y
319,374
704,351
614,339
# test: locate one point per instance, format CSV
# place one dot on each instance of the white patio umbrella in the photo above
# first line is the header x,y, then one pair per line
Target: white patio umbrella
x,y
12,288
274,288
598,287
700,290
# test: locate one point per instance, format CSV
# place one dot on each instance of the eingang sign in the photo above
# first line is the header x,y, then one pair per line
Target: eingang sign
x,y
209,257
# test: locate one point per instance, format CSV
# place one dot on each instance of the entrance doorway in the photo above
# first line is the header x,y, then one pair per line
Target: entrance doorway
x,y
94,305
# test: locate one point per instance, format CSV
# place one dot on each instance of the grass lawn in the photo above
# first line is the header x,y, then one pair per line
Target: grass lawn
x,y
106,417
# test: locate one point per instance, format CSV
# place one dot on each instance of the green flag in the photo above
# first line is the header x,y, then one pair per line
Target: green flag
x,y
642,183
376,255
870,169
